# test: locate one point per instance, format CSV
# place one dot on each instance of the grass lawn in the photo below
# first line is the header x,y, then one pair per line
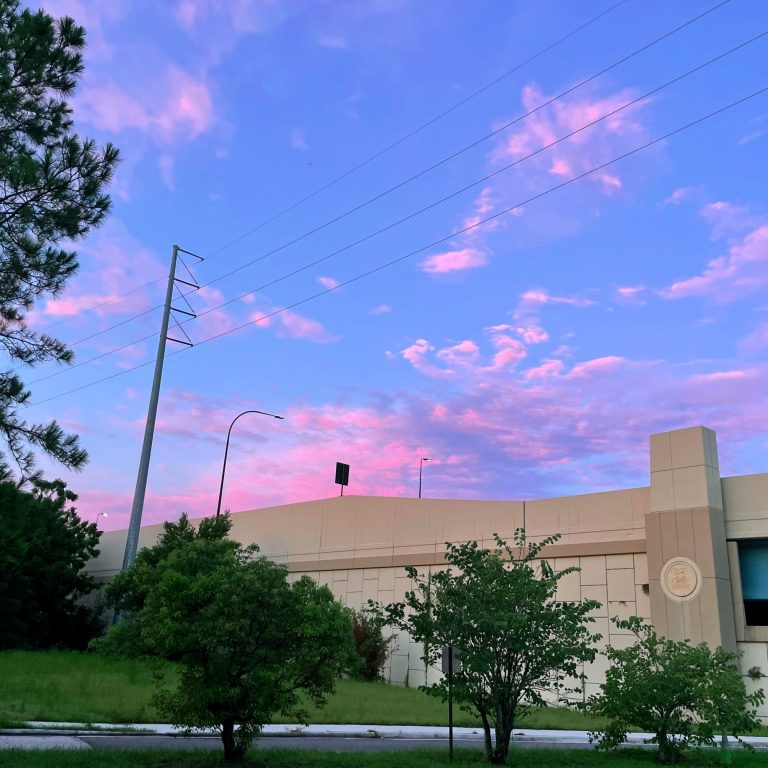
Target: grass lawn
x,y
77,687
279,758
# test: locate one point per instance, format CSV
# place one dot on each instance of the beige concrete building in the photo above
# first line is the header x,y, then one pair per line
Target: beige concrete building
x,y
689,552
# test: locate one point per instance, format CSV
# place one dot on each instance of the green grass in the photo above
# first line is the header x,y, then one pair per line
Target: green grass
x,y
433,758
85,688
76,687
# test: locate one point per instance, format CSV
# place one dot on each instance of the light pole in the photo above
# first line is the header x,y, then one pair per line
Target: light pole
x,y
98,515
421,467
226,451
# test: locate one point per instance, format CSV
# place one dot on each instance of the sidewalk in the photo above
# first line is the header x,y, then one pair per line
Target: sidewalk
x,y
51,735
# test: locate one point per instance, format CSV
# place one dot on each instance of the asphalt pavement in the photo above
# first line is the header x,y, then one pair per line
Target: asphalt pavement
x,y
340,738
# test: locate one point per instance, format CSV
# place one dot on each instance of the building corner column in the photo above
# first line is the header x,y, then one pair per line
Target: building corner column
x,y
689,577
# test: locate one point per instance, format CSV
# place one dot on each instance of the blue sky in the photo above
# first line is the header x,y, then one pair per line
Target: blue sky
x,y
529,356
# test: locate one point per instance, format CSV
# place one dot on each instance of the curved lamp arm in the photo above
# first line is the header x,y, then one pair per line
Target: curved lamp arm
x,y
226,451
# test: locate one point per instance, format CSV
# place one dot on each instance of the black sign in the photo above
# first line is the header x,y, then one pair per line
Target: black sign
x,y
455,653
342,473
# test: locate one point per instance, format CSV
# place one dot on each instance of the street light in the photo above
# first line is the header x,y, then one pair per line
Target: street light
x,y
421,466
226,450
98,515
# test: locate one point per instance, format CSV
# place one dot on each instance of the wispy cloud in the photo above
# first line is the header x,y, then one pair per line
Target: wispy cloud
x,y
299,140
178,108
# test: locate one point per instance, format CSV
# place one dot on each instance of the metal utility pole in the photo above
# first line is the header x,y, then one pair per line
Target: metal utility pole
x,y
132,541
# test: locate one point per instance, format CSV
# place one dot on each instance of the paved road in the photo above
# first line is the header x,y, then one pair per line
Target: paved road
x,y
330,743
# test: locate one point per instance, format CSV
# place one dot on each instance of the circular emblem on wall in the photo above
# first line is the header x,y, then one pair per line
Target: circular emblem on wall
x,y
680,579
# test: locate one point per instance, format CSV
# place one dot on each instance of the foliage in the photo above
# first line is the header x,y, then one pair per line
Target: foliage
x,y
52,194
500,608
43,548
371,647
685,694
248,643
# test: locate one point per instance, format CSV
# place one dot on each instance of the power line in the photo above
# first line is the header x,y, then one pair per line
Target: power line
x,y
433,244
489,176
435,203
367,160
472,145
421,173
430,122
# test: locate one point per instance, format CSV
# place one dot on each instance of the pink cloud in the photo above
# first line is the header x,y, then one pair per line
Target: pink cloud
x,y
581,152
382,309
179,107
112,262
548,369
717,377
533,334
296,326
757,340
469,251
510,352
538,431
416,354
461,354
534,297
742,271
596,367
328,282
93,15
678,196
728,220
630,294
452,261
217,25
299,140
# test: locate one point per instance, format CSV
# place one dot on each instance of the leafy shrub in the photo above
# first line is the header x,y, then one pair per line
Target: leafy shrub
x,y
684,694
371,647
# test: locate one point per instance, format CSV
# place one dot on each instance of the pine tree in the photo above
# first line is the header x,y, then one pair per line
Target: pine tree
x,y
51,194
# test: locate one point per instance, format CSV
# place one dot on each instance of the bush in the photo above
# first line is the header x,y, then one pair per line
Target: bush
x,y
684,694
371,647
44,547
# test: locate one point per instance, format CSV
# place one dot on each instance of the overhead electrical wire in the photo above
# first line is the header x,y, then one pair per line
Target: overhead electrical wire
x,y
433,204
423,172
433,244
370,158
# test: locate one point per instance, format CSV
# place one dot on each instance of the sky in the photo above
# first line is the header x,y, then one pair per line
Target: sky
x,y
444,230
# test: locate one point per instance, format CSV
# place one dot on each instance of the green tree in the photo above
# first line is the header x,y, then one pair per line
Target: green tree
x,y
499,607
684,694
52,194
371,646
44,546
249,645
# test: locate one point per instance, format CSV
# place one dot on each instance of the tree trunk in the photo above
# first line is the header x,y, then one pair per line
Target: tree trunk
x,y
486,734
234,750
667,751
503,735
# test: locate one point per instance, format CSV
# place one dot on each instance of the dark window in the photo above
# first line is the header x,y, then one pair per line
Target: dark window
x,y
753,563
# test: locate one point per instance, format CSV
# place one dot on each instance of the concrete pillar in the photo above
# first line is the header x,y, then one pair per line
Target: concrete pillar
x,y
689,578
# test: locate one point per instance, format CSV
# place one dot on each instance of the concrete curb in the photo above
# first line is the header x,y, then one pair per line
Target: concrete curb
x,y
375,731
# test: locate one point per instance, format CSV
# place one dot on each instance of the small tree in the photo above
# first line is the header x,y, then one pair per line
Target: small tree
x,y
517,641
371,647
53,193
44,546
684,694
248,643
